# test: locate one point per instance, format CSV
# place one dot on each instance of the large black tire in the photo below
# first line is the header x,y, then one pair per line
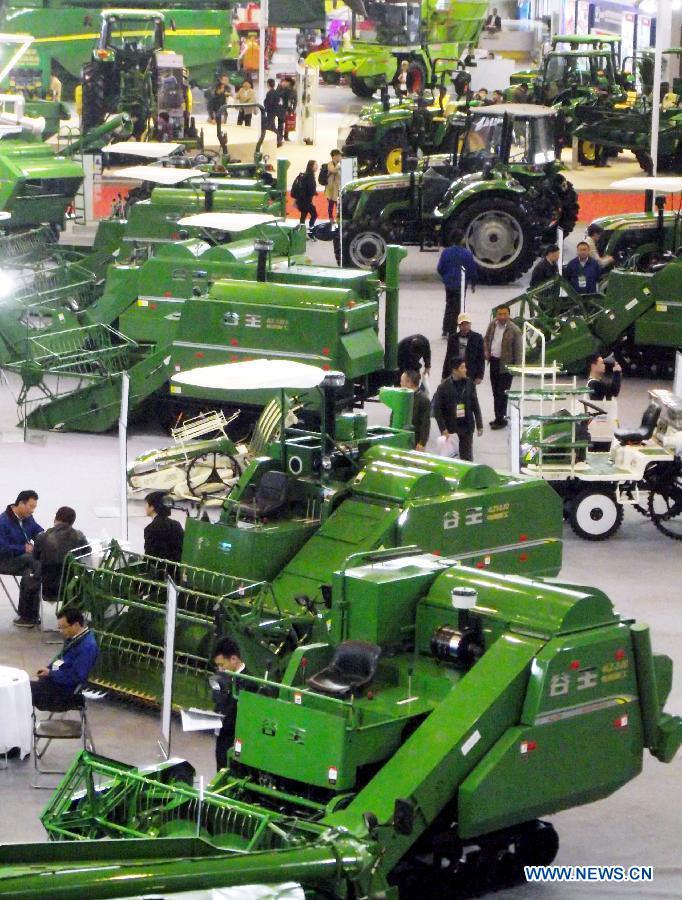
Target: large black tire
x,y
595,514
645,161
390,152
501,234
570,207
94,78
416,76
360,87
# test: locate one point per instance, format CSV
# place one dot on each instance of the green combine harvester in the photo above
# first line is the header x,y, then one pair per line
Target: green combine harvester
x,y
413,750
65,31
197,301
638,314
386,34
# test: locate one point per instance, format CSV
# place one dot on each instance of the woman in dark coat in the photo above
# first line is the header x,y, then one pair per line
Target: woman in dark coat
x,y
306,198
163,536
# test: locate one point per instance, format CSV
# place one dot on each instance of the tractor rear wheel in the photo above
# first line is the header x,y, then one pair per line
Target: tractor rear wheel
x,y
360,87
94,97
500,233
595,514
416,76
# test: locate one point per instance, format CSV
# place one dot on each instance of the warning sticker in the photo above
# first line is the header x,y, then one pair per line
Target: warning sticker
x,y
632,303
471,742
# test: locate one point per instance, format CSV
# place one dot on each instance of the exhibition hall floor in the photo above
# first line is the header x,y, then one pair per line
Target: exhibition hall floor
x,y
640,569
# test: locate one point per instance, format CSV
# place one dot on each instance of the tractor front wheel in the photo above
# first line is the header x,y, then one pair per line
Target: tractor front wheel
x,y
589,154
360,87
595,515
568,200
390,153
501,235
364,249
94,107
416,76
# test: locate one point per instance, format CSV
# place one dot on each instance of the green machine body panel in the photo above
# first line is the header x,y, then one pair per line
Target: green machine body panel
x,y
36,186
491,699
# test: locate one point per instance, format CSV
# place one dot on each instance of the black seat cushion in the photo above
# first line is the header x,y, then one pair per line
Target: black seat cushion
x,y
268,498
352,668
645,430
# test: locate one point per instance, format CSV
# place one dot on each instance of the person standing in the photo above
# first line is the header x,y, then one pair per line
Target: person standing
x,y
456,409
503,345
592,236
53,546
602,390
304,191
272,103
219,97
18,531
163,536
332,188
245,94
412,351
421,408
467,345
456,261
547,267
582,273
401,86
493,23
228,662
57,682
287,96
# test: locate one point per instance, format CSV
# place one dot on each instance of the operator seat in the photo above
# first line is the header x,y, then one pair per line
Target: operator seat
x,y
645,430
352,668
268,498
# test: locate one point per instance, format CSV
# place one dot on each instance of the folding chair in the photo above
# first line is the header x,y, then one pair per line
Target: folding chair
x,y
58,727
6,590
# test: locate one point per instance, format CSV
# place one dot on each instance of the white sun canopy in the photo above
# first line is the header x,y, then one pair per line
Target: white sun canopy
x,y
661,184
144,149
158,174
226,221
257,374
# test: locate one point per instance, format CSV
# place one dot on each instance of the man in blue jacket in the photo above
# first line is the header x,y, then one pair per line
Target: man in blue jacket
x,y
583,271
56,683
18,530
454,262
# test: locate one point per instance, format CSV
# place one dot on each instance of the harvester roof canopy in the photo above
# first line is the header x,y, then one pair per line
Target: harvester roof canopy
x,y
226,221
663,184
145,149
158,174
256,374
520,110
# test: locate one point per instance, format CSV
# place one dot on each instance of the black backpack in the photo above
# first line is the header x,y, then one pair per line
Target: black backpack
x,y
323,177
297,188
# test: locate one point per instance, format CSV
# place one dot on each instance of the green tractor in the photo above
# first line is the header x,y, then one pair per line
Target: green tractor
x,y
201,31
604,123
131,72
426,123
503,190
577,69
386,34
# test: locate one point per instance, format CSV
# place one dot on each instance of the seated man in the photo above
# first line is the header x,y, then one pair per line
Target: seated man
x,y
18,530
56,684
53,546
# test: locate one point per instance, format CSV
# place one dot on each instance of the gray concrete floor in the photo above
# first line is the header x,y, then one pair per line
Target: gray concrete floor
x,y
640,570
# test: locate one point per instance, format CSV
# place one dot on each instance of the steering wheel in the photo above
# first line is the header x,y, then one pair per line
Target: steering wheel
x,y
592,407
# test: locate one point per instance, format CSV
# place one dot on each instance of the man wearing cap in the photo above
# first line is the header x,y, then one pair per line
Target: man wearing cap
x,y
468,345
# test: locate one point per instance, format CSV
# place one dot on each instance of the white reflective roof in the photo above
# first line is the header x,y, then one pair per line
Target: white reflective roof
x,y
158,174
146,149
665,184
226,221
257,374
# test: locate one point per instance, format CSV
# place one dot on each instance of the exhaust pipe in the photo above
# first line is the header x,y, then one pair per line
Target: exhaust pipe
x,y
263,248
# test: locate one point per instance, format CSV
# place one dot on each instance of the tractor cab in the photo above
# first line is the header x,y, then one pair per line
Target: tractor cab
x,y
510,134
380,22
134,34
